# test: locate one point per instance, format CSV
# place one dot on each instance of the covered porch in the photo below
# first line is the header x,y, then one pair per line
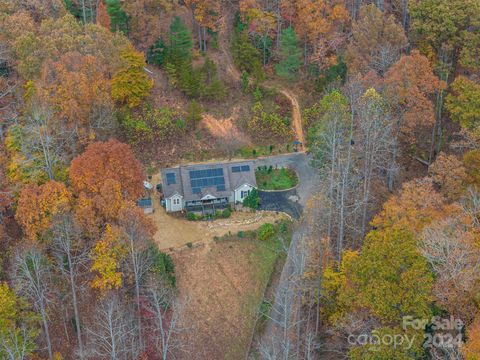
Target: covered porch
x,y
207,206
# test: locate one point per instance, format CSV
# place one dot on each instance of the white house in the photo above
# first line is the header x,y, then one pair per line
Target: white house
x,y
206,187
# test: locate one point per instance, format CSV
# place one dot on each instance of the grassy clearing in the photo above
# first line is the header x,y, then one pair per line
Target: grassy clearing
x,y
236,270
275,179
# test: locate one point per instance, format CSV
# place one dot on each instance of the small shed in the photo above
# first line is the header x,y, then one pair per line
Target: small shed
x,y
146,205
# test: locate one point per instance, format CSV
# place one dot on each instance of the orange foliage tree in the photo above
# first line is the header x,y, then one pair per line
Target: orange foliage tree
x,y
410,84
417,205
320,23
471,350
103,18
376,41
79,91
449,174
92,212
102,162
38,205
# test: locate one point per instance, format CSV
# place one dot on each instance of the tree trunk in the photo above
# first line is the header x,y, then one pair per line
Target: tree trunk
x,y
75,306
84,12
43,313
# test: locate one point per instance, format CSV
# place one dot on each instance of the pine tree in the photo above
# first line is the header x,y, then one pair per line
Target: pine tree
x,y
191,81
290,55
247,57
213,88
181,42
194,114
118,17
158,52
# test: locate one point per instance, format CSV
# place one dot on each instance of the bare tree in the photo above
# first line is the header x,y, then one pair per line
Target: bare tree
x,y
32,277
71,258
17,344
112,335
333,154
375,137
450,248
138,234
7,87
42,140
166,314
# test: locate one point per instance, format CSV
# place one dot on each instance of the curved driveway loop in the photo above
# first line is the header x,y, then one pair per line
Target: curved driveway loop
x,y
290,201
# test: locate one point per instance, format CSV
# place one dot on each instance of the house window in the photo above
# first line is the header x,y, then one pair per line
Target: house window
x,y
176,201
244,194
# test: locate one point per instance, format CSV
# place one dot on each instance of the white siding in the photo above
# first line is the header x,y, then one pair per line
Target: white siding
x,y
174,203
238,192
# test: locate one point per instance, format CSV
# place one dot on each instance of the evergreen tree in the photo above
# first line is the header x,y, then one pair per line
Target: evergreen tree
x,y
247,57
194,114
158,52
181,42
290,55
213,88
118,17
191,80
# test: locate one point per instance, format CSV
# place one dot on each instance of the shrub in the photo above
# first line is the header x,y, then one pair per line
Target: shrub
x,y
265,308
191,216
283,227
163,265
266,232
241,234
226,213
252,200
189,245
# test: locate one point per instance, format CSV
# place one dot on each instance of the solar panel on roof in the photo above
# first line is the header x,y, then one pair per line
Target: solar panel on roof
x,y
206,178
220,187
245,168
236,169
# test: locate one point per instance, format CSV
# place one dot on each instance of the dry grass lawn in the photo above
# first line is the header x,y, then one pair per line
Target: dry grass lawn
x,y
224,283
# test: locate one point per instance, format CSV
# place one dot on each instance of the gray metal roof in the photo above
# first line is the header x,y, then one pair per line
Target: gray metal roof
x,y
143,203
179,180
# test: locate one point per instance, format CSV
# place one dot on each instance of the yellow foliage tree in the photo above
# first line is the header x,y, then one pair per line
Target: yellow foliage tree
x,y
130,85
106,256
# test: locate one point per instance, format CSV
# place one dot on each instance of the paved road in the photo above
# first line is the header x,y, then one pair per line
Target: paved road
x,y
286,299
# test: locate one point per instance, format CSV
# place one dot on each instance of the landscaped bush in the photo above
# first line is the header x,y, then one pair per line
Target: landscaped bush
x,y
252,200
266,231
191,216
226,213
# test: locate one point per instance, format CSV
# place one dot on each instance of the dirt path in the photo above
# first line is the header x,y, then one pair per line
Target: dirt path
x,y
226,23
296,116
224,43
